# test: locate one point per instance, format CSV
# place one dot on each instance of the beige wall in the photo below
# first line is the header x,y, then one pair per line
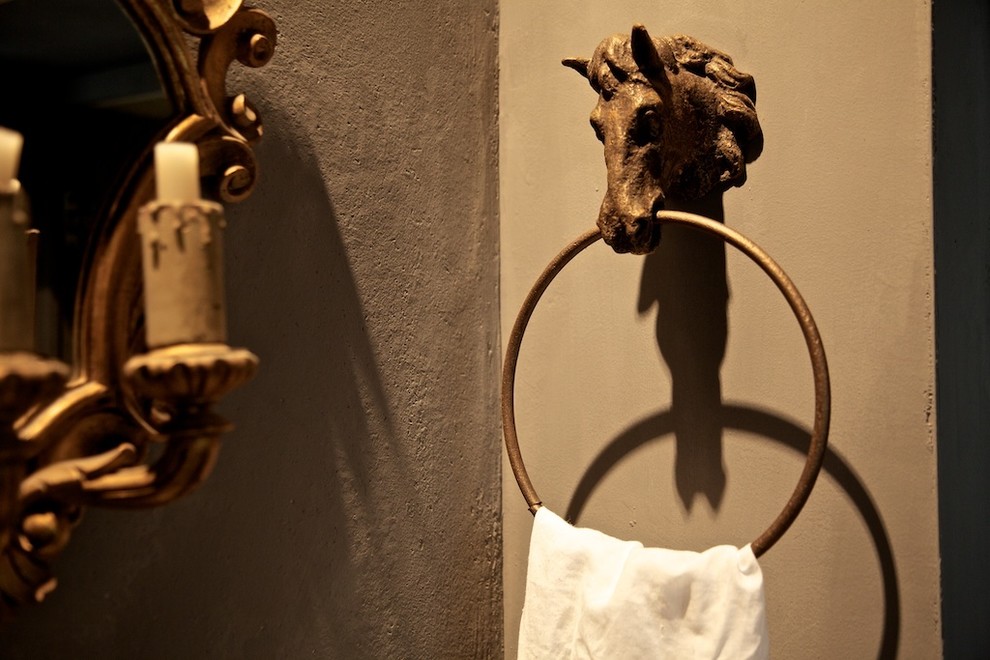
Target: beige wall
x,y
841,198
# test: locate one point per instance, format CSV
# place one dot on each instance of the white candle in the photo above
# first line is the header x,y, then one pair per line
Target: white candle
x,y
10,155
182,262
16,263
177,172
181,254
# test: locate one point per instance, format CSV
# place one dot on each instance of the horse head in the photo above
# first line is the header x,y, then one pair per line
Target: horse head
x,y
678,121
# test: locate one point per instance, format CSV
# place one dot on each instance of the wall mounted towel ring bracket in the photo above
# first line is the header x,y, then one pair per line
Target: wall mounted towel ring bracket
x,y
819,437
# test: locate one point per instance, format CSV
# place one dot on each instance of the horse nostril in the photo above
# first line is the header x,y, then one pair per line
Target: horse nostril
x,y
643,235
641,229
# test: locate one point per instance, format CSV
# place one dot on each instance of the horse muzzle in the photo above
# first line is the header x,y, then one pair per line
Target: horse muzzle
x,y
638,234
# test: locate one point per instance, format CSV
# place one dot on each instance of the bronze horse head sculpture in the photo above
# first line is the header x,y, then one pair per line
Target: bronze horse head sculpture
x,y
678,121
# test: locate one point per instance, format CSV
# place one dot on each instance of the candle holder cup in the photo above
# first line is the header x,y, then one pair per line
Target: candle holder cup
x,y
26,380
183,382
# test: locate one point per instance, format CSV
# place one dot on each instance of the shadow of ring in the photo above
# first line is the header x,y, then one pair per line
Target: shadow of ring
x,y
759,422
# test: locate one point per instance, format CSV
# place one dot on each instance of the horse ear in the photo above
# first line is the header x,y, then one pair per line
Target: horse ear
x,y
644,52
579,64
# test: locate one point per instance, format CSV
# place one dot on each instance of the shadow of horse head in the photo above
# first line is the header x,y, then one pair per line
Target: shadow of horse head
x,y
678,121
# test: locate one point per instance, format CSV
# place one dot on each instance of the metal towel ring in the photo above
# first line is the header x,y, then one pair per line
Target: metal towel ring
x,y
819,437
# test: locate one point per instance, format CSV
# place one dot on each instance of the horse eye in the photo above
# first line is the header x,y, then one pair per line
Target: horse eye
x,y
646,128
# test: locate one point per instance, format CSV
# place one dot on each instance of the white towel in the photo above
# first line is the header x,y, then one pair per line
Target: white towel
x,y
589,595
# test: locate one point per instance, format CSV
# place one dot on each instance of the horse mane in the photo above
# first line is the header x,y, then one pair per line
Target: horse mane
x,y
740,138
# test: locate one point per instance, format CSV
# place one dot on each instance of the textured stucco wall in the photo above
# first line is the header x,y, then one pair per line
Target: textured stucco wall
x,y
841,198
355,511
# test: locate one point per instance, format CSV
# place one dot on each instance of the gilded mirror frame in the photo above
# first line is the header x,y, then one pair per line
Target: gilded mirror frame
x,y
106,437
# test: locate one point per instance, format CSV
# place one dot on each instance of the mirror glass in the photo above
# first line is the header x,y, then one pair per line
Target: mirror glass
x,y
79,83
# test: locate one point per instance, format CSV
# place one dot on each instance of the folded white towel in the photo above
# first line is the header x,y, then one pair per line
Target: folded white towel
x,y
589,595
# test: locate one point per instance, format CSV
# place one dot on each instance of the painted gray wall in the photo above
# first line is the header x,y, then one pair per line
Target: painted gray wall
x,y
962,304
355,512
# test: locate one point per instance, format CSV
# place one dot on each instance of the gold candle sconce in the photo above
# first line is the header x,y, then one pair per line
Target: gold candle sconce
x,y
149,355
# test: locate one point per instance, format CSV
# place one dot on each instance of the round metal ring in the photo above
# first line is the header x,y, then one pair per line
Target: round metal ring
x,y
819,365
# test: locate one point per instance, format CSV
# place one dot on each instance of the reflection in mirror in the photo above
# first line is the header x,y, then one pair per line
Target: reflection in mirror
x,y
81,87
